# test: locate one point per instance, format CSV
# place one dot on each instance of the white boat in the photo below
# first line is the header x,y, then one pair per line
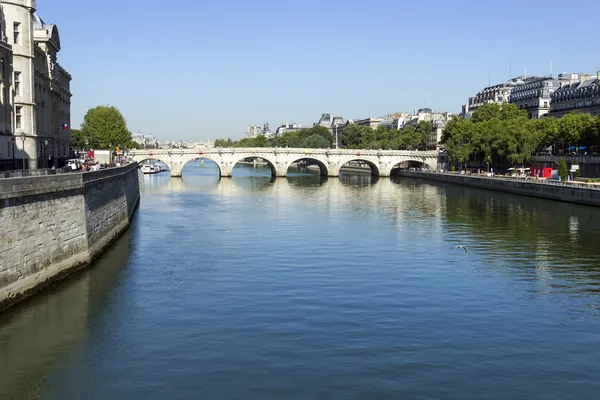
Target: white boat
x,y
150,169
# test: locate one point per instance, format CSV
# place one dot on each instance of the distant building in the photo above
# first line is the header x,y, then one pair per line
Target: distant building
x,y
138,138
372,122
394,121
254,131
335,125
497,94
287,127
146,141
534,95
438,122
579,92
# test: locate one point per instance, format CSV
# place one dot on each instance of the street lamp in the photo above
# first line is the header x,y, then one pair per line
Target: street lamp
x,y
13,140
46,152
23,140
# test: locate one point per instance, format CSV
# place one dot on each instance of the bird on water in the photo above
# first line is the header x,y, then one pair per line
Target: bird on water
x,y
460,247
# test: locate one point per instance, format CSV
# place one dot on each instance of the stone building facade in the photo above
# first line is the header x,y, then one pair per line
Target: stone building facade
x,y
533,95
577,92
38,121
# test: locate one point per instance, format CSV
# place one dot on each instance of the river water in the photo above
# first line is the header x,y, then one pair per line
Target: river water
x,y
303,288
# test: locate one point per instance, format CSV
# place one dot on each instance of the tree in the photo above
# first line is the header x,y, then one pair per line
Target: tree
x,y
352,136
511,111
424,130
563,170
316,141
104,126
487,112
260,141
77,139
323,132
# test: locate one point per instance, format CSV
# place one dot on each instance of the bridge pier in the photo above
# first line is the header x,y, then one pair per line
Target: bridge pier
x,y
175,169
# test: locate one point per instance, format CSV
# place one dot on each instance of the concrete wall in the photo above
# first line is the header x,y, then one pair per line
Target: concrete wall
x,y
552,191
52,226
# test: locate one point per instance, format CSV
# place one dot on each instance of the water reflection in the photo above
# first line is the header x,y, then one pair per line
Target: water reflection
x,y
41,333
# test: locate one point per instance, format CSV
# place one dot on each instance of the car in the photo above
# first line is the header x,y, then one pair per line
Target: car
x,y
74,163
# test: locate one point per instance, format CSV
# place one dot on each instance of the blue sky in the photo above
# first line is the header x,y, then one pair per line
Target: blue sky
x,y
198,69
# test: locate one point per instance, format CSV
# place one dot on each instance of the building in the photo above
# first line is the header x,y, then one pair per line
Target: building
x,y
498,94
335,125
372,122
533,95
254,131
438,120
579,92
287,127
146,141
8,145
36,103
138,138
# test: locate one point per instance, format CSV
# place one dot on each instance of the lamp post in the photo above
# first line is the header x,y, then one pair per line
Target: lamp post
x,y
13,140
336,137
46,152
23,140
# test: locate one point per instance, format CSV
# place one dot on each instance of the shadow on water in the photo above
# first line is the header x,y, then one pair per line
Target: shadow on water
x,y
358,179
39,334
305,177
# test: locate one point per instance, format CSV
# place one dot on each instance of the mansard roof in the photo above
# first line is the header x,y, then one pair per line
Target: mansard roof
x,y
51,31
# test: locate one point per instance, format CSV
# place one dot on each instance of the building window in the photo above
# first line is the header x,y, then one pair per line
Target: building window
x,y
16,33
19,116
17,83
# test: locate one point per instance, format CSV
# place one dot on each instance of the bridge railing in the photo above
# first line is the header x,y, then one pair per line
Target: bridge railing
x,y
419,153
528,180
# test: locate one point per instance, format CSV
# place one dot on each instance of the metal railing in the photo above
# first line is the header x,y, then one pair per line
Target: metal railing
x,y
528,180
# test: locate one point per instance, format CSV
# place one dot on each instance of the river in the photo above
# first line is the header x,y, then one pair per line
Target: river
x,y
310,288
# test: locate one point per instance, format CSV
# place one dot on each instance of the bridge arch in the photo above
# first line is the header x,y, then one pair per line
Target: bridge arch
x,y
359,162
203,157
270,162
322,164
411,163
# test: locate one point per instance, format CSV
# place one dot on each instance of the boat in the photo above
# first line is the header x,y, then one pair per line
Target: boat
x,y
159,167
150,169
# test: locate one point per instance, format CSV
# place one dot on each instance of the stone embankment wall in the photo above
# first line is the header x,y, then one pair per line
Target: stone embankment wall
x,y
53,226
547,190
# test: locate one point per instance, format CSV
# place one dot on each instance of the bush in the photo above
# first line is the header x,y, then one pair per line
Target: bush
x,y
563,170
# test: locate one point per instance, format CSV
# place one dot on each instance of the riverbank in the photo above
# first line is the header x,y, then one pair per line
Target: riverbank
x,y
579,193
53,226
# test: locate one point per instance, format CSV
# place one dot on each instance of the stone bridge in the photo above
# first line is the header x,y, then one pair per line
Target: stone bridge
x,y
279,159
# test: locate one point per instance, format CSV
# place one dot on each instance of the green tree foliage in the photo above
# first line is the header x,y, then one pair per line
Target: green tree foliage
x,y
77,139
352,135
316,142
504,136
563,170
315,137
424,130
104,126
